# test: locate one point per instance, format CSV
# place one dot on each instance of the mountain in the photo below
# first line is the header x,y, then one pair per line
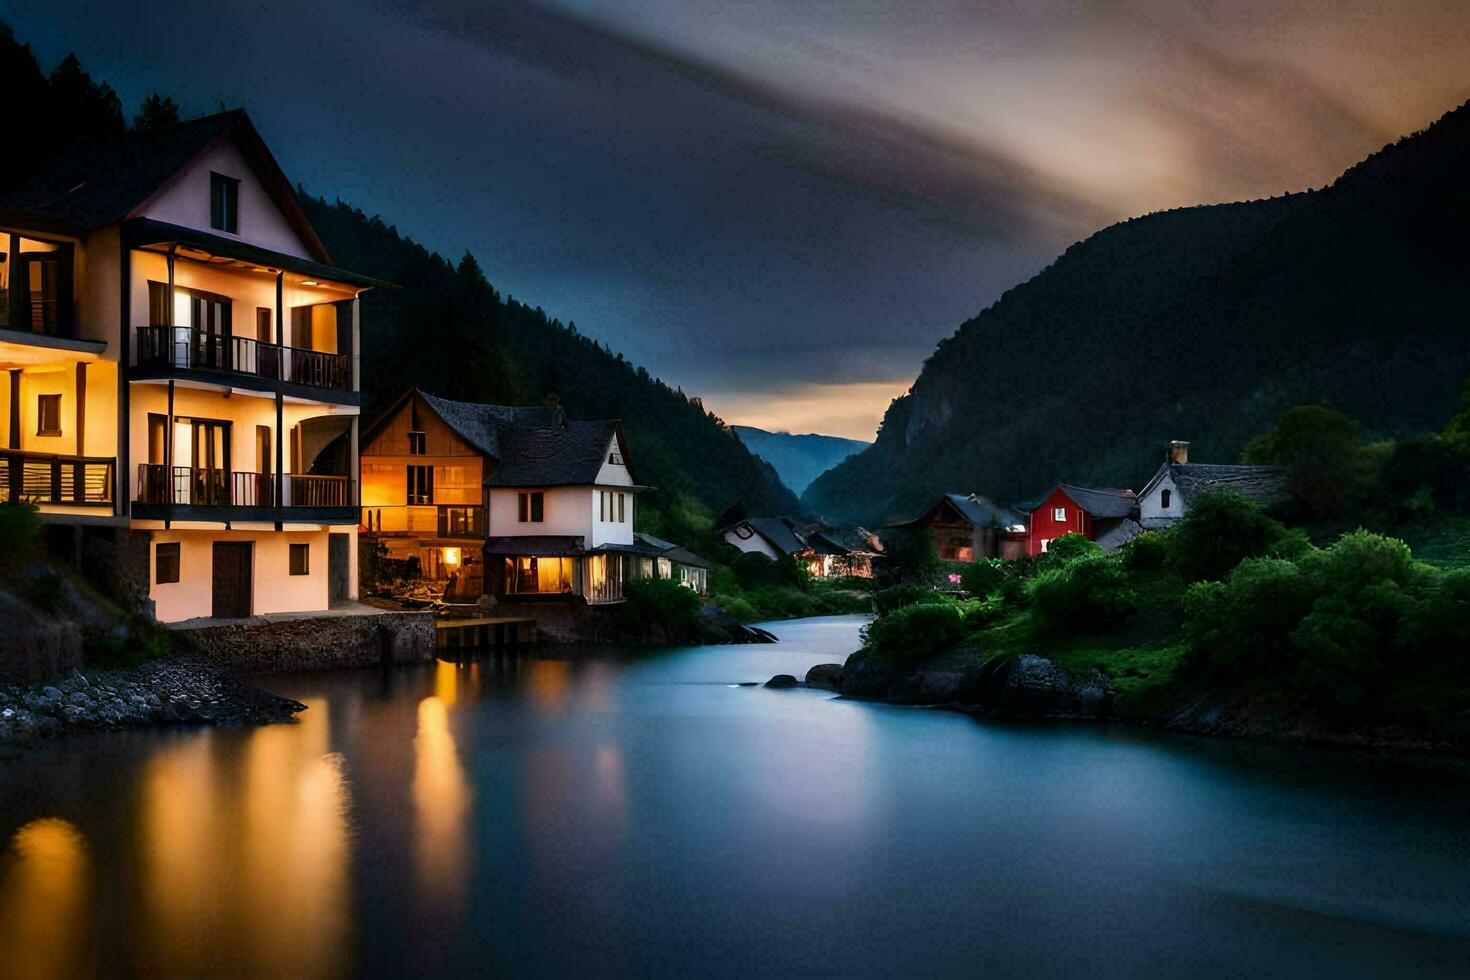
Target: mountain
x,y
1202,323
798,459
444,328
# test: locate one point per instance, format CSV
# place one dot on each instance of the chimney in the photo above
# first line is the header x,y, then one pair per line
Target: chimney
x,y
1179,451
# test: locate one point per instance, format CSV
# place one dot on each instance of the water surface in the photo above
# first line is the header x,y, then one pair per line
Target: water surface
x,y
640,813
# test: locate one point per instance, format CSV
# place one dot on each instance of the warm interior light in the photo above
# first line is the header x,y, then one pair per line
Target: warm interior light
x,y
309,282
451,556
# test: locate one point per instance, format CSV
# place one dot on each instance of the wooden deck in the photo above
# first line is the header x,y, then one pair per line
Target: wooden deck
x,y
483,632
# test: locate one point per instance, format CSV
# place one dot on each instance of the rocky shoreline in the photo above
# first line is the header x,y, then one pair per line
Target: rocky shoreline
x,y
1031,686
174,690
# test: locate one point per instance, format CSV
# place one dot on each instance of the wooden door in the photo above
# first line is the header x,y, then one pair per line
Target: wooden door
x,y
339,558
234,563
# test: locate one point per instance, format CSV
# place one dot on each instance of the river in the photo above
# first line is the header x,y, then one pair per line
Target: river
x,y
642,813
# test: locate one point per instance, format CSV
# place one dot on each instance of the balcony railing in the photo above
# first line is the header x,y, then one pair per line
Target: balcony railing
x,y
442,520
188,347
45,478
207,487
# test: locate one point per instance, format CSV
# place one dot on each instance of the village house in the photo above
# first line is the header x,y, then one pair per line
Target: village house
x,y
180,362
1166,497
515,502
969,527
1108,517
824,551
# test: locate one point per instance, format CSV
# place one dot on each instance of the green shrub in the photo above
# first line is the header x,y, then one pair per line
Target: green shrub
x,y
909,556
1067,549
1085,595
1221,530
756,571
916,632
1145,553
1248,619
981,578
737,606
898,596
659,602
980,613
1360,559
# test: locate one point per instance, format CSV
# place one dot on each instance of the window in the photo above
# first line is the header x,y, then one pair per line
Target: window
x,y
532,507
300,559
166,563
1164,499
48,415
1044,543
420,484
540,575
615,458
622,514
602,505
263,320
1059,513
418,443
745,532
224,203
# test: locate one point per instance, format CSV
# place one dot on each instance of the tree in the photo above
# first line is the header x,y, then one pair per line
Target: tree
x,y
156,112
1221,530
84,109
1330,468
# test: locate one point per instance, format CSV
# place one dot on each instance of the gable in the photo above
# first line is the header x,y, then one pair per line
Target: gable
x,y
185,200
389,435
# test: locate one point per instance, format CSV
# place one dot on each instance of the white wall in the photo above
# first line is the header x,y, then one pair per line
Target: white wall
x,y
568,511
274,589
612,532
755,544
185,201
1152,513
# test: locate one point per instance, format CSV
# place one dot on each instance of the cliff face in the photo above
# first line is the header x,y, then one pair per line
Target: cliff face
x,y
1201,323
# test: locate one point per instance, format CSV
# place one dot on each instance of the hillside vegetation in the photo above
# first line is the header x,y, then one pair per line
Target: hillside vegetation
x,y
798,459
1202,323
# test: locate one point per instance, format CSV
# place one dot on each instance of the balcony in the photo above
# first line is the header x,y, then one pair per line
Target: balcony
x,y
191,493
46,478
441,520
170,349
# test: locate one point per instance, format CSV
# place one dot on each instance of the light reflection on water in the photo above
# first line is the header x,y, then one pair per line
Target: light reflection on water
x,y
636,814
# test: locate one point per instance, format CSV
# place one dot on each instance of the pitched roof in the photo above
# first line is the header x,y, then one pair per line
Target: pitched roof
x,y
557,455
980,511
779,531
484,426
92,183
1101,502
1118,533
1265,485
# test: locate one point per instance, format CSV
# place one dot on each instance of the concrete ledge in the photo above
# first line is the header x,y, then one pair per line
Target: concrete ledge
x,y
309,641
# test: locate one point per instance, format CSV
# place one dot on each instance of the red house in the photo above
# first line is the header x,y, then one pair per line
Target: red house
x,y
1108,517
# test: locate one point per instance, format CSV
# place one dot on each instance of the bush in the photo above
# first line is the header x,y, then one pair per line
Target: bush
x,y
1221,530
981,578
916,632
1067,549
1145,553
1086,595
909,556
756,571
659,602
898,596
737,606
1248,619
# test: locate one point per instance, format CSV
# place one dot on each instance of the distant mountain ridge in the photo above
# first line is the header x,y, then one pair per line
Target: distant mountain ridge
x,y
1201,323
798,459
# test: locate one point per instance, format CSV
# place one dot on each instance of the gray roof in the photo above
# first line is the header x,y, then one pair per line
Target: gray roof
x,y
558,455
1102,502
779,531
482,425
548,545
787,536
671,551
1117,533
980,511
1266,485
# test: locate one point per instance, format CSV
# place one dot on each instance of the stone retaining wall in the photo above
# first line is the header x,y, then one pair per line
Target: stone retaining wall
x,y
316,642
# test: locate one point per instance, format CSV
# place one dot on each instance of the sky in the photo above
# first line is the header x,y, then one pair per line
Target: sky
x,y
781,206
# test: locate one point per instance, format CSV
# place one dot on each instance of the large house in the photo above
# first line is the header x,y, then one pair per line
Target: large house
x,y
1166,497
1108,517
824,551
180,362
968,527
519,503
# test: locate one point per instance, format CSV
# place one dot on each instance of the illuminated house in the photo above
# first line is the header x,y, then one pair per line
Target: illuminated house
x,y
968,527
181,363
824,551
516,502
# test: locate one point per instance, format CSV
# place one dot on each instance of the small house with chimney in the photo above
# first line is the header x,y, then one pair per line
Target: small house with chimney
x,y
1167,496
1108,517
969,527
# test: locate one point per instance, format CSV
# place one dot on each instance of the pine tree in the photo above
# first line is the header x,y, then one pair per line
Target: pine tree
x,y
156,112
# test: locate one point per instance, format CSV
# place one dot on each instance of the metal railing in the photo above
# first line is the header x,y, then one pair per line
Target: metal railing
x,y
209,487
189,347
47,478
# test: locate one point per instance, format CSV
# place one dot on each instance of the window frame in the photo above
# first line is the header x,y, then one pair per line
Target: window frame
x,y
531,507
173,548
418,442
42,400
224,203
1165,498
418,492
302,548
622,513
1059,514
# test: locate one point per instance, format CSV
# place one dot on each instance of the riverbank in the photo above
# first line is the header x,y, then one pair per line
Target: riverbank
x,y
174,690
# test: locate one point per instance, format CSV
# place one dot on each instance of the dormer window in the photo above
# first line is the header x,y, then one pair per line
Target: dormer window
x,y
224,203
1164,499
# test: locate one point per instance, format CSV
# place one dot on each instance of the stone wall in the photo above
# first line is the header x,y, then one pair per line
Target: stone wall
x,y
315,642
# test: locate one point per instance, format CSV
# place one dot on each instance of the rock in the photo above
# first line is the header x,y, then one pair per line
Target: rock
x,y
931,687
51,693
782,681
1032,685
866,676
826,677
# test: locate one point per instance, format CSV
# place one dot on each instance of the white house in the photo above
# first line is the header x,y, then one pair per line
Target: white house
x,y
1166,497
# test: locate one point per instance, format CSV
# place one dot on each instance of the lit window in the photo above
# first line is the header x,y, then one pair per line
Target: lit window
x,y
48,415
532,507
420,485
166,563
1059,513
224,203
1164,499
300,559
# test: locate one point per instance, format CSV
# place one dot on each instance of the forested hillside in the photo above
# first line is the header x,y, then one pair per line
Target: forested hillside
x,y
1202,323
444,328
798,459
